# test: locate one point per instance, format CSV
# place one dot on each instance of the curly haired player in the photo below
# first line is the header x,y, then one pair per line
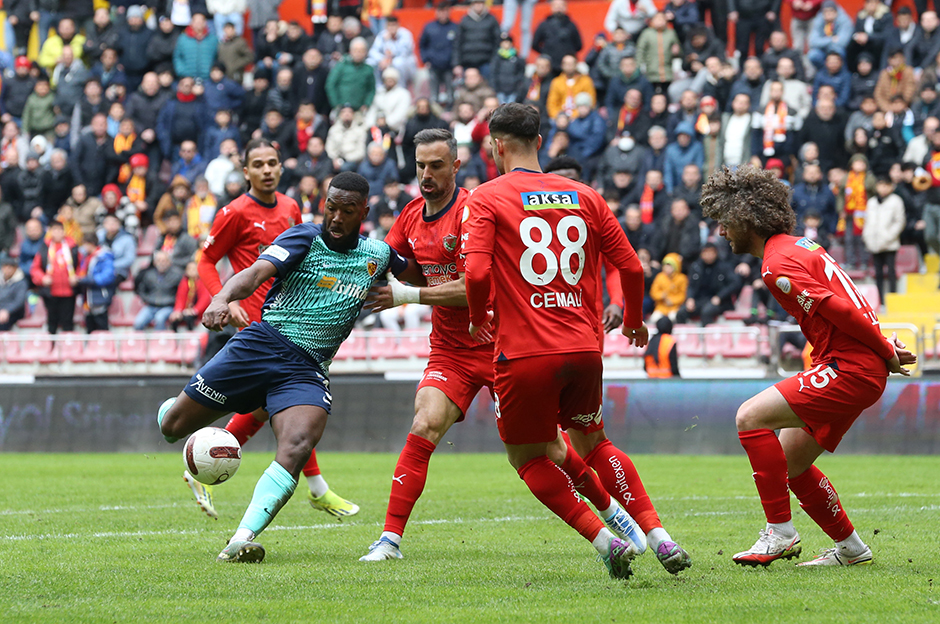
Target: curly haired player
x,y
814,409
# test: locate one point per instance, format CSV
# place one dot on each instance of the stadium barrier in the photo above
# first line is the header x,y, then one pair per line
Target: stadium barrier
x,y
373,414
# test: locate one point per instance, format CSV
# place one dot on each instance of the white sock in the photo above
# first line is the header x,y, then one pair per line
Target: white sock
x,y
852,545
602,542
392,537
242,535
610,511
656,537
318,486
783,529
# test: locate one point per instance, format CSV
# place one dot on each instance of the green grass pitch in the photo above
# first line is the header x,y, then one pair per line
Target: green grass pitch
x,y
116,538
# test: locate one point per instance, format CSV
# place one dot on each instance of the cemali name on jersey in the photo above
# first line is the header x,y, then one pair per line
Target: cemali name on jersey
x,y
319,292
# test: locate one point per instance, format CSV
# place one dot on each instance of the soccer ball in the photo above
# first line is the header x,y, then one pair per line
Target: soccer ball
x,y
212,455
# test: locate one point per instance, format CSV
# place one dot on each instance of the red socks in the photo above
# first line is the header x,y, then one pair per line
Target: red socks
x,y
619,476
245,426
554,489
411,473
585,481
821,503
770,472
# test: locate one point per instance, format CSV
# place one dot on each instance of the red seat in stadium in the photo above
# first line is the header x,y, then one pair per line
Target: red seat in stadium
x,y
193,345
742,307
908,259
383,345
414,345
870,292
70,345
127,284
99,347
133,348
38,350
120,315
615,343
164,347
745,346
718,345
35,320
353,348
689,345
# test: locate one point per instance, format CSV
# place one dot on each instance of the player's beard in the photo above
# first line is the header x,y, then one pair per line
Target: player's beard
x,y
436,195
340,244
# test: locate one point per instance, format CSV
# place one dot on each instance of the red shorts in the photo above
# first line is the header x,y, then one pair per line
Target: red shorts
x,y
829,401
459,373
536,394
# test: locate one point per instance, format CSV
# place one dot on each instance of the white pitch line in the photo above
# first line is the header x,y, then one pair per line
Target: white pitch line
x,y
311,527
27,512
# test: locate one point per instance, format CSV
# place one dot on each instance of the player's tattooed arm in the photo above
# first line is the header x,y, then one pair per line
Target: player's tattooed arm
x,y
239,287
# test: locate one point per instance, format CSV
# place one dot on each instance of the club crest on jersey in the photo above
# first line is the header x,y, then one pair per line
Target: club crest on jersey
x,y
783,283
807,244
450,242
550,200
372,265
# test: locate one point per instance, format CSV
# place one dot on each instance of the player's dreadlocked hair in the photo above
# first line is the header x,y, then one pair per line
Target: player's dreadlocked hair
x,y
351,181
749,198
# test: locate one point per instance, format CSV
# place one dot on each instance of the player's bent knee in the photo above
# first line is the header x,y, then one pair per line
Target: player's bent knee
x,y
747,417
430,427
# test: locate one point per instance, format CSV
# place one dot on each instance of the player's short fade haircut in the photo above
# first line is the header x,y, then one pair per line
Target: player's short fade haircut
x,y
438,135
518,121
353,182
749,198
563,162
258,143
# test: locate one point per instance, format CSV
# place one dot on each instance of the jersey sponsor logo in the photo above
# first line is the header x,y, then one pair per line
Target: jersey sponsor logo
x,y
587,419
372,266
807,244
435,376
437,274
623,488
805,301
556,300
450,242
341,288
277,252
783,283
208,392
551,201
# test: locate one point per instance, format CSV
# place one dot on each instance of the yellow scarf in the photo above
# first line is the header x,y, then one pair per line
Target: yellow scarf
x,y
122,144
136,189
775,126
856,200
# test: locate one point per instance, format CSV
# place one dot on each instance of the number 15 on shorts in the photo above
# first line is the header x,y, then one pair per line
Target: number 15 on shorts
x,y
818,377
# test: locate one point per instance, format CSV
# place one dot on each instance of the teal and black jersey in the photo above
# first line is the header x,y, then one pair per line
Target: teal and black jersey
x,y
318,292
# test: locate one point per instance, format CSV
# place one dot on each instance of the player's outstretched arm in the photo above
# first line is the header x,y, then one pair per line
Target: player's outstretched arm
x,y
239,287
453,294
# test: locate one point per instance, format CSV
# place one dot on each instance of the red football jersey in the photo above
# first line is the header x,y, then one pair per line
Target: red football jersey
x,y
545,234
801,275
433,242
241,231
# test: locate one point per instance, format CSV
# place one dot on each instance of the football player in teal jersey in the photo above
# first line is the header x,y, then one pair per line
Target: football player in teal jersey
x,y
322,277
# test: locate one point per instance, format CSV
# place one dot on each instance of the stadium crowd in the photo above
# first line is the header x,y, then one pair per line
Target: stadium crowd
x,y
122,137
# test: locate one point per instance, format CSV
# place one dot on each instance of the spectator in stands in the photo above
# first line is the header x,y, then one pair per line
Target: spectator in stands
x,y
162,45
832,30
884,223
66,35
123,246
102,36
753,17
750,82
655,48
777,125
436,46
862,118
669,288
260,12
812,227
222,131
292,44
196,49
926,43
190,164
608,61
275,128
255,103
156,286
477,40
222,93
377,168
700,45
8,222
712,285
234,53
119,150
622,154
310,81
638,233
422,117
677,233
557,36
835,75
29,183
132,42
475,90
352,81
903,177
221,166
53,272
566,86
68,80
33,240
629,15
13,290
16,89
826,127
628,77
97,282
182,118
735,140
234,188
873,26
200,210
57,183
192,299
283,96
586,133
895,79
661,360
39,112
864,80
686,150
85,210
173,200
652,199
812,195
107,70
314,161
346,140
394,47
392,101
507,71
20,20
859,186
385,221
